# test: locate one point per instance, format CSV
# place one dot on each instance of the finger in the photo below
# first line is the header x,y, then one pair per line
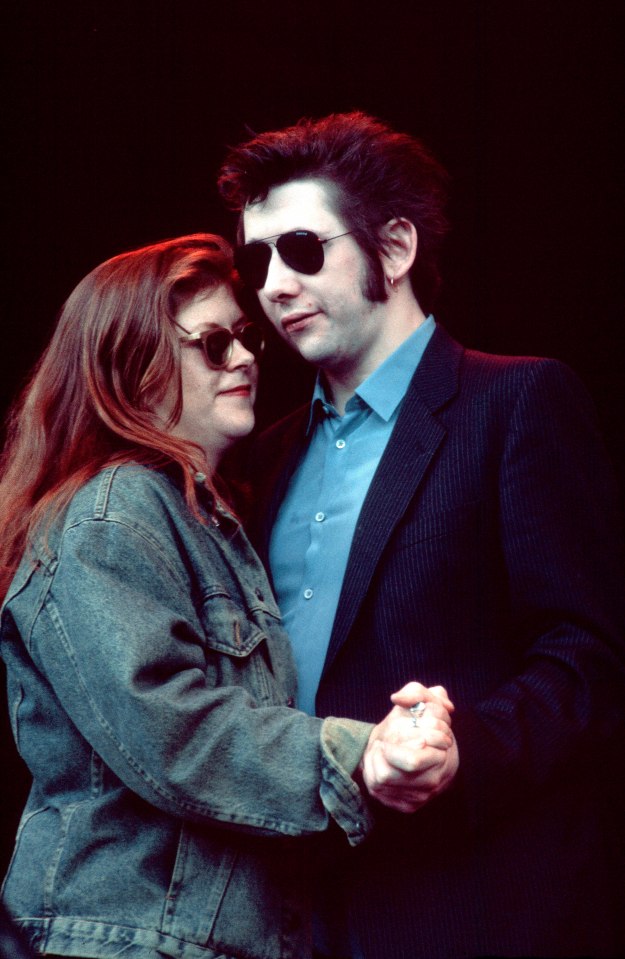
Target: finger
x,y
429,717
415,692
401,790
431,732
434,711
441,694
402,773
404,758
429,720
402,804
398,802
403,722
405,789
438,739
407,792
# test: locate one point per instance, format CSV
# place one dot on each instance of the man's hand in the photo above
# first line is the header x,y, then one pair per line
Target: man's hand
x,y
409,760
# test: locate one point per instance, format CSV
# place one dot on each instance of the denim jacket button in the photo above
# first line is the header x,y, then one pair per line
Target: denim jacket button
x,y
290,701
259,594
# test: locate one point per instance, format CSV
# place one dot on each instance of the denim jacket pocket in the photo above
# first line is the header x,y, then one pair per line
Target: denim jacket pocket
x,y
204,860
228,895
238,647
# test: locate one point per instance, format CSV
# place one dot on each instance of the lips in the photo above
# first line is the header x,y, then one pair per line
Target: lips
x,y
244,389
295,321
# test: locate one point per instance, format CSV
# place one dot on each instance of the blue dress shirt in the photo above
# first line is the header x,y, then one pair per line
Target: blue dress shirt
x,y
312,536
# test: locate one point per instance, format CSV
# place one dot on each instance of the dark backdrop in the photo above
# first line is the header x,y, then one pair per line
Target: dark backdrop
x,y
117,116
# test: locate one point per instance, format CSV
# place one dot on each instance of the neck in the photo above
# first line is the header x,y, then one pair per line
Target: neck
x,y
402,315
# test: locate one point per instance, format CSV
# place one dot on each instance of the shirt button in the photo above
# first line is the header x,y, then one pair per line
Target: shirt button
x,y
340,444
308,593
320,517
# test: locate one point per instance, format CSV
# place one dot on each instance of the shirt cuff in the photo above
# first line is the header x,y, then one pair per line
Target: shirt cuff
x,y
343,741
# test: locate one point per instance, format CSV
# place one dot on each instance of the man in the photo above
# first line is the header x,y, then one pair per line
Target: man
x,y
441,515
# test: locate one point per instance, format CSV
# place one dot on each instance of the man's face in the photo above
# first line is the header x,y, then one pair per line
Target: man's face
x,y
325,316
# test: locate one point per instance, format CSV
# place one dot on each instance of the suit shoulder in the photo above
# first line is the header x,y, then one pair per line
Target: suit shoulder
x,y
525,389
501,363
517,372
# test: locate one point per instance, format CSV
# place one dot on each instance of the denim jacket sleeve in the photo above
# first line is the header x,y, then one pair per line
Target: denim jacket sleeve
x,y
194,722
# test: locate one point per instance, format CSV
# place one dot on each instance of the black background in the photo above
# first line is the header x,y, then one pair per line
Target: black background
x,y
117,116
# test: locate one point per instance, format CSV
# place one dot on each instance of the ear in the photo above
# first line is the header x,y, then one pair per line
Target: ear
x,y
399,237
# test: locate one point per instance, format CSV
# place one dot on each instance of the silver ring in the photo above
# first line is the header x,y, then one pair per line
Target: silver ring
x,y
416,712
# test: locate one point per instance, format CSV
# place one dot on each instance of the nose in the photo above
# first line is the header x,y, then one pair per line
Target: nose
x,y
240,357
282,281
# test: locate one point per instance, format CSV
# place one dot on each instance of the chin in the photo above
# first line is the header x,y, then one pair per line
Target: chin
x,y
314,350
238,431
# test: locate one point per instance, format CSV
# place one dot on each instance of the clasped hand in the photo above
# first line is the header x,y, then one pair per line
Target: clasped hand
x,y
405,765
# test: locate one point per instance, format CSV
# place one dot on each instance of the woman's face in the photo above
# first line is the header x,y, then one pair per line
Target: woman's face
x,y
217,405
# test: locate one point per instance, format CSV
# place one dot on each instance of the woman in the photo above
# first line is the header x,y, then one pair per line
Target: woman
x,y
150,683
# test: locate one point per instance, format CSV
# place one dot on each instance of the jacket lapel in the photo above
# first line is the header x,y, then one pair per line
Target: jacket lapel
x,y
414,441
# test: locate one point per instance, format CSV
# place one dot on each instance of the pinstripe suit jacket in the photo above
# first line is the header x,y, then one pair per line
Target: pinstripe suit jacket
x,y
487,558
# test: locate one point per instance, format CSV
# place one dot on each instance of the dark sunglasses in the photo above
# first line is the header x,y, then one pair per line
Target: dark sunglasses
x,y
301,250
216,342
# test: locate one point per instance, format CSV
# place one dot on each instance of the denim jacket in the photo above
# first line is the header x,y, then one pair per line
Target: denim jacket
x,y
150,691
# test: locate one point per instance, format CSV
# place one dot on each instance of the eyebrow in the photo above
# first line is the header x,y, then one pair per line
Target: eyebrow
x,y
220,326
207,327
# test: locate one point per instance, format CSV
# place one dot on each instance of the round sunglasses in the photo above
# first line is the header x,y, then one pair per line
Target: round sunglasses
x,y
301,250
217,341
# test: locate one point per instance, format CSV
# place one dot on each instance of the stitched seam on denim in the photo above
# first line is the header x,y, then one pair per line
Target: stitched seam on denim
x,y
50,876
103,493
25,819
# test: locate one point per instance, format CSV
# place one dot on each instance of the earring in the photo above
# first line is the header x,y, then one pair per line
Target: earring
x,y
391,280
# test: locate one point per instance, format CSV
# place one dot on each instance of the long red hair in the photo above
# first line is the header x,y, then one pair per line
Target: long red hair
x,y
113,356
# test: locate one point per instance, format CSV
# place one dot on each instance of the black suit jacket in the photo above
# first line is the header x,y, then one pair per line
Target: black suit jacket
x,y
486,558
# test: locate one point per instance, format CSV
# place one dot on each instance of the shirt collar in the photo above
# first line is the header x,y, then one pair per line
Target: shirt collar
x,y
386,387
